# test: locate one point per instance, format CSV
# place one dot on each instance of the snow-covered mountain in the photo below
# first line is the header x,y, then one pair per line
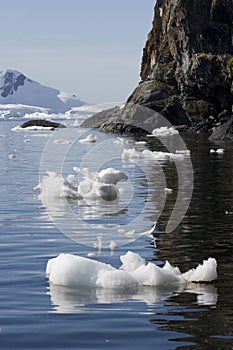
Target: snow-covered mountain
x,y
17,89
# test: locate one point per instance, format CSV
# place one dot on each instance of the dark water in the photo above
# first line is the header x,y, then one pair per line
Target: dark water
x,y
35,315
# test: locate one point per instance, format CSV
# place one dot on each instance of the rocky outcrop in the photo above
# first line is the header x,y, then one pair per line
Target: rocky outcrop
x,y
187,64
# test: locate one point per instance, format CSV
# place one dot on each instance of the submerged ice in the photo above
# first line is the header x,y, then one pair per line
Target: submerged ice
x,y
76,271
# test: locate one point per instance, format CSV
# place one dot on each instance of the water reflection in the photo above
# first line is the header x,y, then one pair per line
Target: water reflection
x,y
67,300
205,326
205,231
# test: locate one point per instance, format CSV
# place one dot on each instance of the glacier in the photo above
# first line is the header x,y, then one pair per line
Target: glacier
x,y
20,95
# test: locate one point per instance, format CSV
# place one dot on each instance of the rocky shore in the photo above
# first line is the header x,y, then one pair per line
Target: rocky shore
x,y
186,73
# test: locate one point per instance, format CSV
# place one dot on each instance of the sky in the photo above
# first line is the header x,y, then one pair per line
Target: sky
x,y
90,48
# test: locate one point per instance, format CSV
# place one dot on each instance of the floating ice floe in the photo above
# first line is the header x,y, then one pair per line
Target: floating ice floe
x,y
164,131
76,271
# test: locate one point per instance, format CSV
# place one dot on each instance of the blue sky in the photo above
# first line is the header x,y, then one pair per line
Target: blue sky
x,y
91,48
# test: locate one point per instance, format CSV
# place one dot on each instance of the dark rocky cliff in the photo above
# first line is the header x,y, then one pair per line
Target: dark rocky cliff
x,y
187,67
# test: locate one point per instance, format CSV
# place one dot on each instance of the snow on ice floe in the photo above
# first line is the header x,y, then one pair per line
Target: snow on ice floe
x,y
76,271
102,185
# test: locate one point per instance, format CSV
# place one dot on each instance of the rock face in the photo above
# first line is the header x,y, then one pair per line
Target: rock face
x,y
187,64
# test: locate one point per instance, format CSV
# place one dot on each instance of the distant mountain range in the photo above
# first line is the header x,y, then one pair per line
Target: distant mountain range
x,y
17,89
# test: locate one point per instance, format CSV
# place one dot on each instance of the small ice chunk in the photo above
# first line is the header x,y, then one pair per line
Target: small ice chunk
x,y
121,141
113,245
162,156
156,155
89,138
185,152
130,154
130,233
93,189
164,131
168,190
140,142
62,142
217,151
11,156
220,150
111,176
91,254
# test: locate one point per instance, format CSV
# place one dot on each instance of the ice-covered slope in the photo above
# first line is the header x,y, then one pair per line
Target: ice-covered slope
x,y
16,88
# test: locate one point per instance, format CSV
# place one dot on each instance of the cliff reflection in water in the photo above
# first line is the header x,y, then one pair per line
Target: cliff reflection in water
x,y
206,230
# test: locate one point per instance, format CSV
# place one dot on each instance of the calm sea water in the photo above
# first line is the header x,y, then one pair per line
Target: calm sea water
x,y
35,315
